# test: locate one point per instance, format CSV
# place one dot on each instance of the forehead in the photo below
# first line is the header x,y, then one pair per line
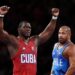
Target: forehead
x,y
26,24
63,30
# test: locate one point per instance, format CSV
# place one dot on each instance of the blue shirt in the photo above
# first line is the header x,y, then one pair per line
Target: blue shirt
x,y
60,63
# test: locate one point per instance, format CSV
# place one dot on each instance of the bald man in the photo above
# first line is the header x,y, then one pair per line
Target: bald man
x,y
63,53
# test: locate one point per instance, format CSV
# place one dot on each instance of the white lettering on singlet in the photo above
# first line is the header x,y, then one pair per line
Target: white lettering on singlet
x,y
28,58
57,62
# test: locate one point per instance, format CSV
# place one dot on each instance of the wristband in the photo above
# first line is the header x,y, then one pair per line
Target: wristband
x,y
54,17
1,15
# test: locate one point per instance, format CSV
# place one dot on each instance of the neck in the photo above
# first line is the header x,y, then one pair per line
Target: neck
x,y
68,41
24,38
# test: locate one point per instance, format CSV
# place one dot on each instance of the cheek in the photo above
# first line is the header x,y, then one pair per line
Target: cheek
x,y
65,36
23,30
60,35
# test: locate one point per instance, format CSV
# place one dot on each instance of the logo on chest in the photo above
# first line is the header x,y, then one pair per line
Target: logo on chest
x,y
28,58
31,48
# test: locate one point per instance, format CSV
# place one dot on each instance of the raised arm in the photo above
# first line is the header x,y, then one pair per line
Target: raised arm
x,y
3,11
48,31
3,33
71,69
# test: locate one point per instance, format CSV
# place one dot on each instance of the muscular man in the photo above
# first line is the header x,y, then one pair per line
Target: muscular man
x,y
23,50
63,53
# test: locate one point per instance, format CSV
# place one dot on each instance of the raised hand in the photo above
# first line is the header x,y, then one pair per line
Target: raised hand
x,y
4,10
55,11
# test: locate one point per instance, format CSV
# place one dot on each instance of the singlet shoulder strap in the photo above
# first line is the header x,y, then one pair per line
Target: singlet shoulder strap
x,y
56,45
66,45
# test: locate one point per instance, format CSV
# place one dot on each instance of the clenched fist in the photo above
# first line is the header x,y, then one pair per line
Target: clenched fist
x,y
55,12
4,10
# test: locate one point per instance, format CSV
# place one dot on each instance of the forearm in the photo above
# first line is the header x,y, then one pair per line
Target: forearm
x,y
3,11
1,23
51,26
70,71
48,31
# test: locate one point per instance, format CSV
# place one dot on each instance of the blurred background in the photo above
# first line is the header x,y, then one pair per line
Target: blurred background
x,y
38,13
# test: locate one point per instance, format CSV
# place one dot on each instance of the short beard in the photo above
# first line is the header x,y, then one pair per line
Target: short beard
x,y
62,42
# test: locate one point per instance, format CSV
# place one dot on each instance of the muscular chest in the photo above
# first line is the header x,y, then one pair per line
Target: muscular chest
x,y
58,52
27,52
29,47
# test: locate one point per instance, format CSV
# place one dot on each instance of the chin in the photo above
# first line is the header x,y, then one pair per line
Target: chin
x,y
27,35
62,42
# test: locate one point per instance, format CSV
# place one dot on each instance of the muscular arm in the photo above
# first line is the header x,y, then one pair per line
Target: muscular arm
x,y
71,69
1,24
48,31
3,11
3,34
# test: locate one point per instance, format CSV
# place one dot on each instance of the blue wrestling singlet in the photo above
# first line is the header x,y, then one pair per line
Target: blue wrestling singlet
x,y
60,63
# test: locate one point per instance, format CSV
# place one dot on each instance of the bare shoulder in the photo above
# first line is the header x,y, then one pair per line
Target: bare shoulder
x,y
9,36
70,50
36,39
13,37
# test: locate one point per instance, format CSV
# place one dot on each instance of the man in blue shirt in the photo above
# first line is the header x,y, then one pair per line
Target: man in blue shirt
x,y
63,53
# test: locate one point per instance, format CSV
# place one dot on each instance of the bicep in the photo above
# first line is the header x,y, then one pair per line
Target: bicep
x,y
72,57
71,69
3,35
13,40
43,37
47,32
36,40
72,60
